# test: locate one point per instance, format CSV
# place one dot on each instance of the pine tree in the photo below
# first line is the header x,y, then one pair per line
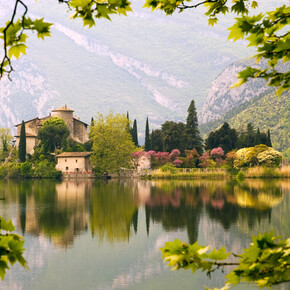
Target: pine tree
x,y
193,139
147,138
134,133
22,144
269,142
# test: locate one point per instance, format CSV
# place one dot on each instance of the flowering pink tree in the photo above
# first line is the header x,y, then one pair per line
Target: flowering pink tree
x,y
177,162
136,157
230,158
204,160
191,158
174,154
162,158
217,154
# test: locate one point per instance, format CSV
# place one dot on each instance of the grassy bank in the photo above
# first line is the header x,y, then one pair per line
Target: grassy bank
x,y
184,173
267,172
192,173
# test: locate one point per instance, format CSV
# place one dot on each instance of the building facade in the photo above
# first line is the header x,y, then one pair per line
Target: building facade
x,y
78,129
74,162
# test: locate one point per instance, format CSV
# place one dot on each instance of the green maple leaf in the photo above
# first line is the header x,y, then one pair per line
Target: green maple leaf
x,y
17,50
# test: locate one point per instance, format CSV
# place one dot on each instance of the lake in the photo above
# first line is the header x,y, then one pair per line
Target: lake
x,y
107,234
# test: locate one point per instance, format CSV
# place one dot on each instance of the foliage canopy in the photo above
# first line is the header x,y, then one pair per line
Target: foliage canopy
x,y
112,143
265,262
53,134
11,247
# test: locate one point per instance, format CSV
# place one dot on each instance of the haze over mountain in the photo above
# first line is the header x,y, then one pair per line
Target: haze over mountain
x,y
147,63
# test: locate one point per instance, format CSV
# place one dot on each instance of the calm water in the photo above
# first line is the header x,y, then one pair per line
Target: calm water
x,y
106,235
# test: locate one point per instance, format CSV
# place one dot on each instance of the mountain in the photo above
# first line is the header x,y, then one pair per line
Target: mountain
x,y
146,63
221,98
253,102
265,111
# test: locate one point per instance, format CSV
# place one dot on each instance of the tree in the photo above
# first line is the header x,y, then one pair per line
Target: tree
x,y
258,137
269,142
156,140
250,141
224,137
128,124
134,133
112,143
147,137
5,142
22,143
53,134
265,262
193,139
173,136
263,31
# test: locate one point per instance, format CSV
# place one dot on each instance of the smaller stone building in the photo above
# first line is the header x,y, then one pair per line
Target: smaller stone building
x,y
74,162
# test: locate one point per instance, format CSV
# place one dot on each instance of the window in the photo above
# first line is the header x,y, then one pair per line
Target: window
x,y
76,160
66,168
65,160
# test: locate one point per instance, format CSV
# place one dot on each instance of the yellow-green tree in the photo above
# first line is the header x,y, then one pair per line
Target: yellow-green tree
x,y
112,143
5,142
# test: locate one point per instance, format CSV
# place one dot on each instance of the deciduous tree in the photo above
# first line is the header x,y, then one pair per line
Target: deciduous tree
x,y
53,134
112,143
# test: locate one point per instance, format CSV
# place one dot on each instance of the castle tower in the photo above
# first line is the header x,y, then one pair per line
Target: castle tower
x,y
67,115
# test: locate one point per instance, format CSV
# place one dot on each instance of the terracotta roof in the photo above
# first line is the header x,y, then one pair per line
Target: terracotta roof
x,y
73,154
64,108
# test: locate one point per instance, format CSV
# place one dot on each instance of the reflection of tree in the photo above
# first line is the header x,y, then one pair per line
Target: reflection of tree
x,y
248,203
112,209
176,209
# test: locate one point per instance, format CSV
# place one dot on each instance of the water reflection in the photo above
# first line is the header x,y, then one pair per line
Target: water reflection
x,y
64,210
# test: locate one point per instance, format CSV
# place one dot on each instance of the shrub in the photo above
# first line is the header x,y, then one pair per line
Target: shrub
x,y
241,175
26,169
258,155
46,169
168,167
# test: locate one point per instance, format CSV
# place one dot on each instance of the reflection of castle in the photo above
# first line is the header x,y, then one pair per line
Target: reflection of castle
x,y
77,128
64,217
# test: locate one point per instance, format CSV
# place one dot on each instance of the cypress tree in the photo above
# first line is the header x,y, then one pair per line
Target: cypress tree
x,y
193,139
147,138
250,142
22,144
135,133
128,124
258,137
269,142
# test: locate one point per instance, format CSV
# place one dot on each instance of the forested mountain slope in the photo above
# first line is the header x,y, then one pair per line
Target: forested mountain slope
x,y
265,111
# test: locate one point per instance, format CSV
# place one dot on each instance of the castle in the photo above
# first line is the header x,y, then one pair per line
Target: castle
x,y
77,128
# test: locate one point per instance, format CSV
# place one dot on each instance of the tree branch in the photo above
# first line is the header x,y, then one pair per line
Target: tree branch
x,y
11,22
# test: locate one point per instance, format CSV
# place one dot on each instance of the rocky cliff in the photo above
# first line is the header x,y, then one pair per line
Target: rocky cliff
x,y
221,98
